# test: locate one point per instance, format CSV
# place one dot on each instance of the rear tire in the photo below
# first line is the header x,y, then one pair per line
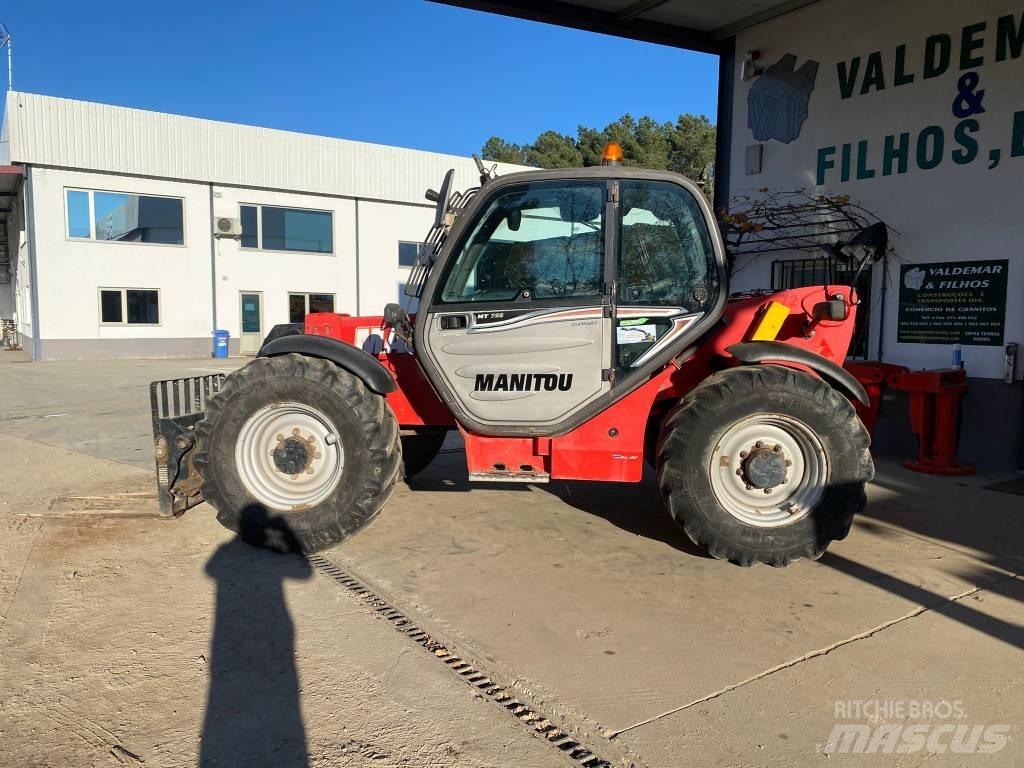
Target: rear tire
x,y
420,449
279,331
820,467
296,453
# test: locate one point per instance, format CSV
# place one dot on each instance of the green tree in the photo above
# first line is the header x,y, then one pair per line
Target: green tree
x,y
692,145
497,150
684,146
553,150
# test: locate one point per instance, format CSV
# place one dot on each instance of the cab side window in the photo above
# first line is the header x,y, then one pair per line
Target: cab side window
x,y
665,257
541,241
666,261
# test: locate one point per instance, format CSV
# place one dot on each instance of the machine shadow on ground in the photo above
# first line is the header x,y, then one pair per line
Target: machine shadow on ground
x,y
958,610
635,509
991,530
994,531
253,713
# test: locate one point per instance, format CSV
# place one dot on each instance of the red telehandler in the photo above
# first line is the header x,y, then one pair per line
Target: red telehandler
x,y
572,325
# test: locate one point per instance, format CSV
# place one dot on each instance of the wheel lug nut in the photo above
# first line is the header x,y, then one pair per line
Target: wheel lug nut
x,y
739,472
777,448
295,431
743,454
767,490
789,462
758,444
750,487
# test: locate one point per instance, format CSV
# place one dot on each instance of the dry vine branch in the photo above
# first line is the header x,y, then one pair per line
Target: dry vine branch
x,y
777,221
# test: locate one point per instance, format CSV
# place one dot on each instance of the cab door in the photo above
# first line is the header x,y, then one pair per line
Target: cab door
x,y
519,326
668,275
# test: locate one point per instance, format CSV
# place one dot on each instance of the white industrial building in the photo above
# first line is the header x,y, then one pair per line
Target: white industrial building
x,y
111,215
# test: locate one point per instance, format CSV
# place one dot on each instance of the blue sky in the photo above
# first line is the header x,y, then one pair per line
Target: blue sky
x,y
403,72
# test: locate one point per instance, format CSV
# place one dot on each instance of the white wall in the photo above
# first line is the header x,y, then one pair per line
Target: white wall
x,y
381,227
276,274
5,140
951,212
71,271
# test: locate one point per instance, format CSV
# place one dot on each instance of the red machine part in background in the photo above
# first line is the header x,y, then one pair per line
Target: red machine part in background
x,y
933,400
873,377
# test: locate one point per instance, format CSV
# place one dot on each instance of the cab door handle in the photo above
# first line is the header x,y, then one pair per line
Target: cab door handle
x,y
454,322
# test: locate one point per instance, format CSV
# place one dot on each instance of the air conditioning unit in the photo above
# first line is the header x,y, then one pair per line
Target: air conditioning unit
x,y
225,226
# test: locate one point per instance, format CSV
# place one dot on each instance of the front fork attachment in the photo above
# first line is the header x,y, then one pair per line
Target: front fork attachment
x,y
178,481
177,405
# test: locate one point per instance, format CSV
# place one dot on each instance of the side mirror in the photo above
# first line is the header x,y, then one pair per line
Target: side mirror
x,y
834,309
395,315
442,198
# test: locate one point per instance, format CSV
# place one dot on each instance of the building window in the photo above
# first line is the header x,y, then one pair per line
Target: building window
x,y
78,214
302,304
408,253
800,273
125,218
111,310
129,306
250,226
270,228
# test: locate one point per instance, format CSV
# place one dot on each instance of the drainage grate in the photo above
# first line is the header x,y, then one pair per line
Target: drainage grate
x,y
530,717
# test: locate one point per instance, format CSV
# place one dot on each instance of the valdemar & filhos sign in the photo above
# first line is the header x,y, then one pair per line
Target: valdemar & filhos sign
x,y
953,302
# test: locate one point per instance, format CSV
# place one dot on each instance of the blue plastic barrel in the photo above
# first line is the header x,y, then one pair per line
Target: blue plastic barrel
x,y
220,343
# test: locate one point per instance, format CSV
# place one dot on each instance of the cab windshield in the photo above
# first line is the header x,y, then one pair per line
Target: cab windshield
x,y
541,241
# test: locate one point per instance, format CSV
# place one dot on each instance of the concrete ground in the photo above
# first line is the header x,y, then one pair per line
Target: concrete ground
x,y
126,638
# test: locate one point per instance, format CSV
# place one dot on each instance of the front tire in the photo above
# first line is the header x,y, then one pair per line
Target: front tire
x,y
296,453
764,464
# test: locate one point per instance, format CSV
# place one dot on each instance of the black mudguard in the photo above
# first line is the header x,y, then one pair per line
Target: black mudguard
x,y
352,359
751,352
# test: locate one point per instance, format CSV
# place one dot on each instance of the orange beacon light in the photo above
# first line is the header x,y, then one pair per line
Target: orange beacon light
x,y
612,154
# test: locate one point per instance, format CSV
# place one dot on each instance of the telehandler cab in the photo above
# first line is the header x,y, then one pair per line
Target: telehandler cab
x,y
572,325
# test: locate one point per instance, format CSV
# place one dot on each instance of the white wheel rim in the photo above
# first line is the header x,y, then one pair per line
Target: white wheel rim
x,y
790,440
289,456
